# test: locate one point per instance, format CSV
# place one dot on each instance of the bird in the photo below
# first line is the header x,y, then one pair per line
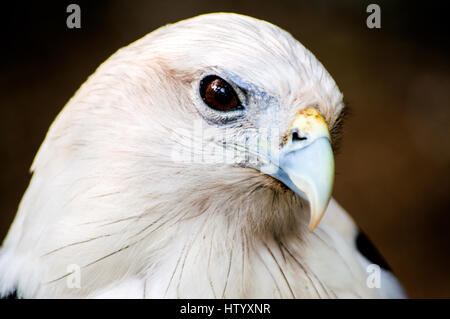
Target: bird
x,y
196,162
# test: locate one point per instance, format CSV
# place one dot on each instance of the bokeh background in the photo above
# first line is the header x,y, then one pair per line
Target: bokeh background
x,y
393,167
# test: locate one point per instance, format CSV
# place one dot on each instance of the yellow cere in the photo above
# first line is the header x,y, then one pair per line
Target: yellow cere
x,y
310,122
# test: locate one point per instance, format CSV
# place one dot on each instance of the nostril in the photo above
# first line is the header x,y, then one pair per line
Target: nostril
x,y
296,136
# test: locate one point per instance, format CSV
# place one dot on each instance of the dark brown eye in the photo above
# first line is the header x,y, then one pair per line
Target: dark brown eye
x,y
218,94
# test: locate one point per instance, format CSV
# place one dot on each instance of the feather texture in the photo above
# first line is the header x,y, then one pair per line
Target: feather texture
x,y
107,197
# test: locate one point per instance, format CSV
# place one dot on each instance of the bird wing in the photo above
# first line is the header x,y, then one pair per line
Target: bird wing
x,y
339,221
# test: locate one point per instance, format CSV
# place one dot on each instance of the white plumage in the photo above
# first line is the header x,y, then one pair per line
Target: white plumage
x,y
108,196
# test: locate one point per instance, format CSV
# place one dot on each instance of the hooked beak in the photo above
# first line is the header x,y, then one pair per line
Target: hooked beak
x,y
306,162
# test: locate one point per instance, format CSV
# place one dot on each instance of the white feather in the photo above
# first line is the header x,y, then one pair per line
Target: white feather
x,y
106,196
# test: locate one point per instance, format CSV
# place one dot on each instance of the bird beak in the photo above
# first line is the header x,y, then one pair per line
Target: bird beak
x,y
306,162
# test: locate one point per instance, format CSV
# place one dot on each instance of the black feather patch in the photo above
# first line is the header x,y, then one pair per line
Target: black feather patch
x,y
368,250
11,295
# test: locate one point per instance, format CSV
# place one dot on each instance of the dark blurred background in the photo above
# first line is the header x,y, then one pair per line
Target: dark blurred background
x,y
393,168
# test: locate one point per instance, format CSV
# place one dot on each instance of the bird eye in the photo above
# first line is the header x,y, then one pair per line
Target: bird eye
x,y
218,94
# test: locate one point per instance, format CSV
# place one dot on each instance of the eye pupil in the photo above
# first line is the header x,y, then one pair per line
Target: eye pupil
x,y
223,94
218,94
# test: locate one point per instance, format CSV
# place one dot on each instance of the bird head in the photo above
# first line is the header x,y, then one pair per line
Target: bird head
x,y
217,122
253,106
218,114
